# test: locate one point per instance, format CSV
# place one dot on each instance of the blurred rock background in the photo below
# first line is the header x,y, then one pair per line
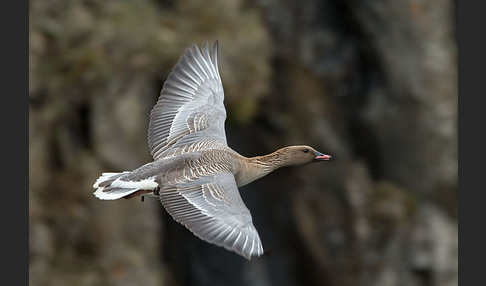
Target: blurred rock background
x,y
374,83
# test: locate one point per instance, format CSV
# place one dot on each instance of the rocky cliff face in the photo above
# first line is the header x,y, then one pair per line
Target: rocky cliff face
x,y
374,84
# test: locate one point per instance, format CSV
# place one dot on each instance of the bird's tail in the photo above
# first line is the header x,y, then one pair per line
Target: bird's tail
x,y
110,187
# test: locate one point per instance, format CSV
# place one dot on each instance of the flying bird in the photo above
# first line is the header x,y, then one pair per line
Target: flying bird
x,y
195,174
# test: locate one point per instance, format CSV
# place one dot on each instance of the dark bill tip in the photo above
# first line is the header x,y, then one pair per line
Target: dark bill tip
x,y
322,157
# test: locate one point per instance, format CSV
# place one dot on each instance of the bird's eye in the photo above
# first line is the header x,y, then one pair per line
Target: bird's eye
x,y
306,150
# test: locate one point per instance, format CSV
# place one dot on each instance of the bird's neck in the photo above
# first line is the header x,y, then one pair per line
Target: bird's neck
x,y
260,166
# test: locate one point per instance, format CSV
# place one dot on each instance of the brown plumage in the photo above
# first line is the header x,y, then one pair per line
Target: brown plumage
x,y
195,174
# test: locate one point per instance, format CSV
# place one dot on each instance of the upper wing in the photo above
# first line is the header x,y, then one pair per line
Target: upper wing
x,y
211,207
190,107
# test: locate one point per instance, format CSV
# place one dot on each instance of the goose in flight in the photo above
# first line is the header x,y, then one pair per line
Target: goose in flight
x,y
195,174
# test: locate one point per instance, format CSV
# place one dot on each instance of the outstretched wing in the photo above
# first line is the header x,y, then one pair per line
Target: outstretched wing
x,y
211,207
190,107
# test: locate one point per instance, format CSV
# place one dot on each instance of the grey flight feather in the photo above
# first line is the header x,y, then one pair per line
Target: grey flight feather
x,y
211,207
190,108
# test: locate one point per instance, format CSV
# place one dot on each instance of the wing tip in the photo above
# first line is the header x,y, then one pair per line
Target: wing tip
x,y
226,239
215,45
257,253
205,44
214,53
